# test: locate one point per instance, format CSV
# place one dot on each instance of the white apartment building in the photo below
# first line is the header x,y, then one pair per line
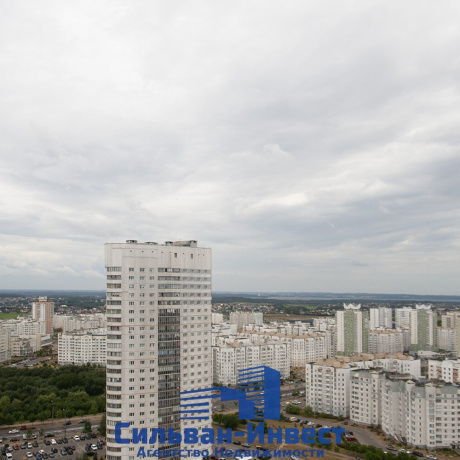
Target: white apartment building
x,y
71,323
25,326
402,316
365,396
82,348
328,387
217,318
230,358
426,415
158,337
449,320
386,341
381,317
43,310
447,339
447,370
244,318
303,349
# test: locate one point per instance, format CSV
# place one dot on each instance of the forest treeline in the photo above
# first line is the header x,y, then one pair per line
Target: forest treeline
x,y
31,395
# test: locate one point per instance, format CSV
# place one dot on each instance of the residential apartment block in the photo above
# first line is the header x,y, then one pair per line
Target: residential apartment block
x,y
43,310
230,357
352,326
83,347
158,337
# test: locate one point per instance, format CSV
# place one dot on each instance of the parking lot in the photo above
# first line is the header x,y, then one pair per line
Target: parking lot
x,y
57,448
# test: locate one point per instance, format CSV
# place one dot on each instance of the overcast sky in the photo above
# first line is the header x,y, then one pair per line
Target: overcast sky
x,y
313,145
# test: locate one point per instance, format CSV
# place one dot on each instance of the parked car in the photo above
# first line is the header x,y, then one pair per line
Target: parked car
x,y
417,453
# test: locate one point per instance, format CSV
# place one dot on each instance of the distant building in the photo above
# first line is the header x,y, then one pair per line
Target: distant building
x,y
423,327
230,358
82,348
386,341
217,318
352,330
381,317
244,318
447,370
447,339
402,316
43,310
71,323
5,351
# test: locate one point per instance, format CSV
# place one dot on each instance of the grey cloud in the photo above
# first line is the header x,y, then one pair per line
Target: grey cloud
x,y
314,146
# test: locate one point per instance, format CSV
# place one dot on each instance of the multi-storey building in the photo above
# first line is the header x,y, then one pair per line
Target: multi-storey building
x,y
381,317
328,387
71,323
449,319
229,358
244,318
423,324
386,341
352,330
158,337
446,338
426,415
402,316
83,347
303,348
217,318
5,350
43,310
447,370
365,396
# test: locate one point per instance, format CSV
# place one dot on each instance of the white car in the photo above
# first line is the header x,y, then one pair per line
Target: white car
x,y
53,441
13,431
93,447
29,455
432,457
76,438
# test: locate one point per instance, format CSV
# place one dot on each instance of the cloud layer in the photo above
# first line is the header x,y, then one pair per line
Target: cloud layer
x,y
313,145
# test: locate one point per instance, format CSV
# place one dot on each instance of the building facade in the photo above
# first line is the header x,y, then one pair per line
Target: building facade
x,y
352,330
82,348
158,337
43,310
230,358
381,317
423,328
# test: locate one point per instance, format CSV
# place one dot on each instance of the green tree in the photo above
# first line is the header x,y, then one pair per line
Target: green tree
x,y
87,427
103,425
290,409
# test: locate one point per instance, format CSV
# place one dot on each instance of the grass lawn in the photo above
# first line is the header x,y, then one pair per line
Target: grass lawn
x,y
10,315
